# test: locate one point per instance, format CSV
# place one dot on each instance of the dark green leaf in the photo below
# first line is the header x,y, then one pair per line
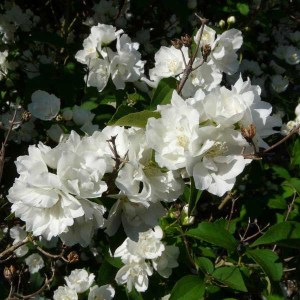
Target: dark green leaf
x,y
137,119
205,265
215,234
296,153
189,287
163,92
281,172
267,260
286,234
231,276
243,8
194,197
123,110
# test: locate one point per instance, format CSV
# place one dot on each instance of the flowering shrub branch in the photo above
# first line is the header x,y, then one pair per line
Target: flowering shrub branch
x,y
133,162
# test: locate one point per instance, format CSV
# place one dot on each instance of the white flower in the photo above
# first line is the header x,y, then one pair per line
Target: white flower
x,y
39,198
55,132
126,65
3,63
148,246
18,234
208,36
135,275
135,217
80,280
82,115
65,293
34,262
98,73
167,261
44,106
84,227
173,134
292,55
297,110
205,77
223,54
216,167
168,63
279,83
104,292
101,35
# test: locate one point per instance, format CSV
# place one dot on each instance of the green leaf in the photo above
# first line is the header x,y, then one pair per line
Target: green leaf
x,y
123,110
231,276
194,197
286,234
296,153
188,287
205,265
163,92
137,119
267,260
215,234
281,172
295,183
243,8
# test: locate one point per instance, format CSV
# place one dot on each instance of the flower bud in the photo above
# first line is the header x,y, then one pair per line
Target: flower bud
x,y
73,257
249,132
206,49
231,20
9,272
177,43
222,23
186,40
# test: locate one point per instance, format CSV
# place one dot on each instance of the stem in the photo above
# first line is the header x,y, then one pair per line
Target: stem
x,y
14,247
189,68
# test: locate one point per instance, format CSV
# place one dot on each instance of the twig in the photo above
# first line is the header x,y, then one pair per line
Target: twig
x,y
290,207
2,151
14,247
294,130
231,212
43,287
189,68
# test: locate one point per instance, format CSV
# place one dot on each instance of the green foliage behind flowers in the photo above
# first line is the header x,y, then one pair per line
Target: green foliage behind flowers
x,y
141,162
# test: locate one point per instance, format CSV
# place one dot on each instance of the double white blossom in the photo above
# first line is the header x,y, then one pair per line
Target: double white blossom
x,y
135,256
124,65
44,106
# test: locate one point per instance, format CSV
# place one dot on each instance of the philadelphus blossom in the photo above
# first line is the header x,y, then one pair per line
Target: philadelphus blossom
x,y
138,257
171,62
18,234
142,185
48,202
104,292
34,262
80,280
65,292
44,106
124,65
211,151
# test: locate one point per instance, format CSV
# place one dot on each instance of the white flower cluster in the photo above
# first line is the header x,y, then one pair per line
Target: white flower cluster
x,y
15,18
136,257
78,282
203,135
124,65
171,62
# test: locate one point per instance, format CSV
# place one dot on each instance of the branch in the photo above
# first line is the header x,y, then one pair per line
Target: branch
x,y
14,247
189,67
